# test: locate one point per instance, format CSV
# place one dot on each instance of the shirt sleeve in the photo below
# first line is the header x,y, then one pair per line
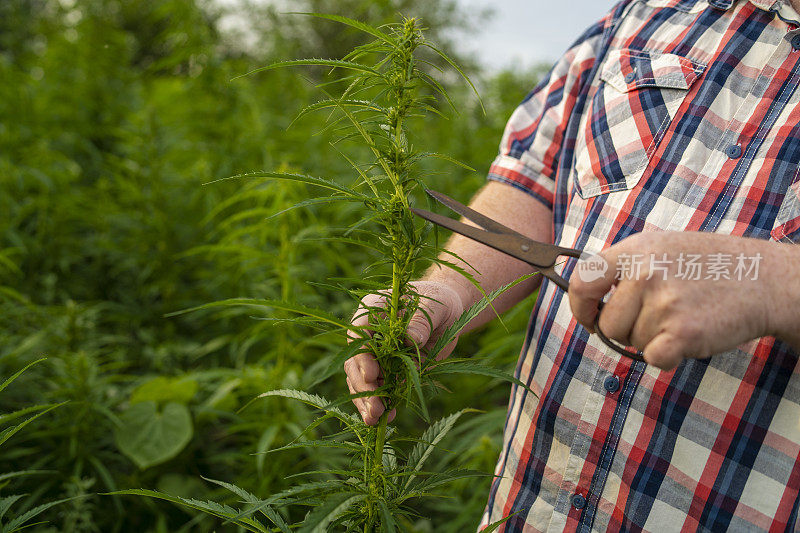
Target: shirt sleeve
x,y
534,135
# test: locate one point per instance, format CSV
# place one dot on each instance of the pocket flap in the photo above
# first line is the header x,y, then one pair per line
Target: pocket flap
x,y
629,70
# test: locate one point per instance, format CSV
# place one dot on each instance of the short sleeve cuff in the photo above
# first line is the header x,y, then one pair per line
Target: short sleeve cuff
x,y
510,170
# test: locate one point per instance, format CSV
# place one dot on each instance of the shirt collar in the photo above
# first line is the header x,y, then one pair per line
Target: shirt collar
x,y
766,5
783,8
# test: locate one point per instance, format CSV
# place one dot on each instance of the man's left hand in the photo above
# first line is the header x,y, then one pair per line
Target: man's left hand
x,y
666,305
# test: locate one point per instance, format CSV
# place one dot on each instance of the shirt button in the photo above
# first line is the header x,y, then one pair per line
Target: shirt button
x,y
734,151
578,501
611,384
631,76
796,42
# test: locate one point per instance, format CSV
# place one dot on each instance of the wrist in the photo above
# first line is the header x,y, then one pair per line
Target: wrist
x,y
785,293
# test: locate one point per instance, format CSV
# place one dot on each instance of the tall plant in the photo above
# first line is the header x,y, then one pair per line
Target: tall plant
x,y
383,87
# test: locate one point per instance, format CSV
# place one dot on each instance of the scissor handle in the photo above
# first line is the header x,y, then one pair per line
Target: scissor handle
x,y
620,349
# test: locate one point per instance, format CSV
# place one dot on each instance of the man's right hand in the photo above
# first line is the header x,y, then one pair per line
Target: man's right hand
x,y
443,306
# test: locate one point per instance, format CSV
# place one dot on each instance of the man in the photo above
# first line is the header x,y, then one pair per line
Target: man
x,y
668,139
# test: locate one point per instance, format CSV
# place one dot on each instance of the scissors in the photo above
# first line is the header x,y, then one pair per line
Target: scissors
x,y
502,238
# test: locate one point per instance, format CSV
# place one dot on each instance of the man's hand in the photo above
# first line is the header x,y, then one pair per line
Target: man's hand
x,y
670,316
443,306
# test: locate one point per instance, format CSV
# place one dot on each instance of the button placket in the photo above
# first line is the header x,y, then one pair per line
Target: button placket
x,y
730,137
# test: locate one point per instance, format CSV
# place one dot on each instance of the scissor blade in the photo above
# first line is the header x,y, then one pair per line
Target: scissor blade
x,y
516,246
470,214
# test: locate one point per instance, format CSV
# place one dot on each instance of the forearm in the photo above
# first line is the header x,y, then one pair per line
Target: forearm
x,y
492,269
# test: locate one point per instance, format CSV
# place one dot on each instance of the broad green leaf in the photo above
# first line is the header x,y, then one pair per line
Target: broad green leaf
x,y
165,389
149,437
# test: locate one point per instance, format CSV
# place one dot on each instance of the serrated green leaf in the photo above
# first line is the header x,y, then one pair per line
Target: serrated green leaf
x,y
413,374
466,317
17,374
317,314
432,436
301,178
467,366
224,512
366,28
324,515
389,525
315,401
332,63
21,521
13,430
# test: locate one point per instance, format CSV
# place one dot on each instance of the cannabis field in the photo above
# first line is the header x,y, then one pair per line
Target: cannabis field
x,y
139,406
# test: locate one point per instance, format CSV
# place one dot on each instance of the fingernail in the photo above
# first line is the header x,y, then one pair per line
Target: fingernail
x,y
369,409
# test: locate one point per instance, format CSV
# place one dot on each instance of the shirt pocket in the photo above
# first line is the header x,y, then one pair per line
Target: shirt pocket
x,y
787,223
638,96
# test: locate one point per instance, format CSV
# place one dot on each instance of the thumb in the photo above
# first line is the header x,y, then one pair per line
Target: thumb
x,y
665,351
438,307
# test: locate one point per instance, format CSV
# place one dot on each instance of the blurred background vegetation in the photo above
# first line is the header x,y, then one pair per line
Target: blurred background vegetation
x,y
113,116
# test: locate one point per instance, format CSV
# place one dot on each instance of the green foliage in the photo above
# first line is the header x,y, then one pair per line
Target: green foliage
x,y
113,116
25,416
382,88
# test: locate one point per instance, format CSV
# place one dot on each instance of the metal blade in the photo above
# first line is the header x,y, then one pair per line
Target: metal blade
x,y
534,253
470,214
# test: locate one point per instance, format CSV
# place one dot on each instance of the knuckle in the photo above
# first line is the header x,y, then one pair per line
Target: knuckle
x,y
668,300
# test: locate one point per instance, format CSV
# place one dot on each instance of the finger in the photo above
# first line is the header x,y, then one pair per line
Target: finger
x,y
358,402
363,371
364,375
428,318
588,287
374,409
620,313
649,324
440,305
361,316
665,351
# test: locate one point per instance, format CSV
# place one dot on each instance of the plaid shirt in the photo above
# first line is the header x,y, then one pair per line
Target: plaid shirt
x,y
666,115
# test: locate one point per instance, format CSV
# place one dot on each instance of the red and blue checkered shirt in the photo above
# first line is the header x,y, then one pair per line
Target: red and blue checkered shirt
x,y
667,115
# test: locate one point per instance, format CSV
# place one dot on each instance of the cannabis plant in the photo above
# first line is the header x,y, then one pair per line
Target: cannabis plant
x,y
13,423
377,92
